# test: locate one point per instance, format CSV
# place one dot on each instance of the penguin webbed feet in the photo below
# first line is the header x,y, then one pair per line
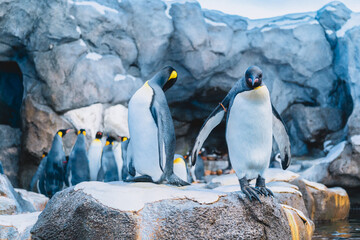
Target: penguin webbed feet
x,y
260,186
248,190
175,180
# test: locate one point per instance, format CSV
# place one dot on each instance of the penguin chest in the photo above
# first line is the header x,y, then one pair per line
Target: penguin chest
x,y
94,158
249,132
144,134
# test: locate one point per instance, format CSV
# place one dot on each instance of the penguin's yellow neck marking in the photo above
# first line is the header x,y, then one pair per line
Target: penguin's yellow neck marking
x,y
178,160
146,84
124,139
258,87
108,143
173,75
60,134
97,140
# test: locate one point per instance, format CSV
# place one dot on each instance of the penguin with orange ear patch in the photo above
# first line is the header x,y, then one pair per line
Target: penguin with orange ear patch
x,y
53,177
108,171
77,169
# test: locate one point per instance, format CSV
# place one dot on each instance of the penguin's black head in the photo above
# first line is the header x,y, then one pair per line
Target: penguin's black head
x,y
165,78
253,77
109,141
63,132
81,131
99,135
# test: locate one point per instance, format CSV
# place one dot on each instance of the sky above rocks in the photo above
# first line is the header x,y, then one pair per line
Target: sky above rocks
x,y
255,9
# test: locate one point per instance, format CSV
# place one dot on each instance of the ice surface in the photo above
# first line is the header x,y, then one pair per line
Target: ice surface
x,y
98,7
93,56
352,22
19,221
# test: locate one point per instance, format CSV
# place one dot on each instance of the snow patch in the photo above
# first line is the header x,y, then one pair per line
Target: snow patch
x,y
19,221
280,189
282,23
82,43
330,8
277,174
355,140
228,179
212,23
93,56
98,7
72,17
78,29
338,190
122,77
352,22
329,32
133,196
315,185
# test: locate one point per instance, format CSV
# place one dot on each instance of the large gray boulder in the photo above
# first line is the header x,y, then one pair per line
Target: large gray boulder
x,y
143,210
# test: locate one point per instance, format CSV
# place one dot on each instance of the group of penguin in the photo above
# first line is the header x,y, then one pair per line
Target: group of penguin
x,y
102,162
251,124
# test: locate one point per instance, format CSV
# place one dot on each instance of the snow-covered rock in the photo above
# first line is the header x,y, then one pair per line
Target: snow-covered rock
x,y
12,202
38,200
149,211
17,226
115,121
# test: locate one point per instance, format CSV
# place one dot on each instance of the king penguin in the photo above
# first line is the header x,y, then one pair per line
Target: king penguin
x,y
250,124
108,171
53,177
35,181
180,168
152,133
120,157
77,169
94,156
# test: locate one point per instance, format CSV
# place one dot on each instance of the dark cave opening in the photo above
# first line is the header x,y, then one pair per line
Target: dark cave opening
x,y
11,93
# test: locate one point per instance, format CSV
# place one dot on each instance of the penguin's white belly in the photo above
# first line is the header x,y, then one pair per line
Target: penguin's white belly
x,y
94,158
249,132
180,171
144,134
119,159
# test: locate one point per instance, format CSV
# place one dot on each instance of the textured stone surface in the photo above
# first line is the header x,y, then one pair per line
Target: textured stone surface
x,y
167,213
10,152
17,226
11,202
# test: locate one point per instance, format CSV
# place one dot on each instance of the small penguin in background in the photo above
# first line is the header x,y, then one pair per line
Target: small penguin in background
x,y
108,171
199,170
35,181
251,123
180,168
94,156
120,157
275,161
152,145
53,178
77,169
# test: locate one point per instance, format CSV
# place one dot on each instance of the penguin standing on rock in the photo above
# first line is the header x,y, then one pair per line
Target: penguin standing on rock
x,y
94,156
35,181
53,178
152,133
77,169
251,123
108,171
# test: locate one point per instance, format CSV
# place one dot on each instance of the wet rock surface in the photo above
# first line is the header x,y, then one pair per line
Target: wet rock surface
x,y
165,213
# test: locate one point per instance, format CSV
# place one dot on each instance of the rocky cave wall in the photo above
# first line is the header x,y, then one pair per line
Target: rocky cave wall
x,y
82,61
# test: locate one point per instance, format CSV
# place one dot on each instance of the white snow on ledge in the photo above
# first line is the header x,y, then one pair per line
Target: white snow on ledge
x,y
134,196
352,22
19,221
93,56
98,7
212,23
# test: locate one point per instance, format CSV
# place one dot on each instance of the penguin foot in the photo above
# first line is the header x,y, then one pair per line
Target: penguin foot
x,y
260,186
249,191
144,178
175,180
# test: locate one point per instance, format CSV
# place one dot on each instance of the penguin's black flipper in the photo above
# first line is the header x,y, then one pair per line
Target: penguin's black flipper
x,y
282,138
211,122
38,173
101,175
